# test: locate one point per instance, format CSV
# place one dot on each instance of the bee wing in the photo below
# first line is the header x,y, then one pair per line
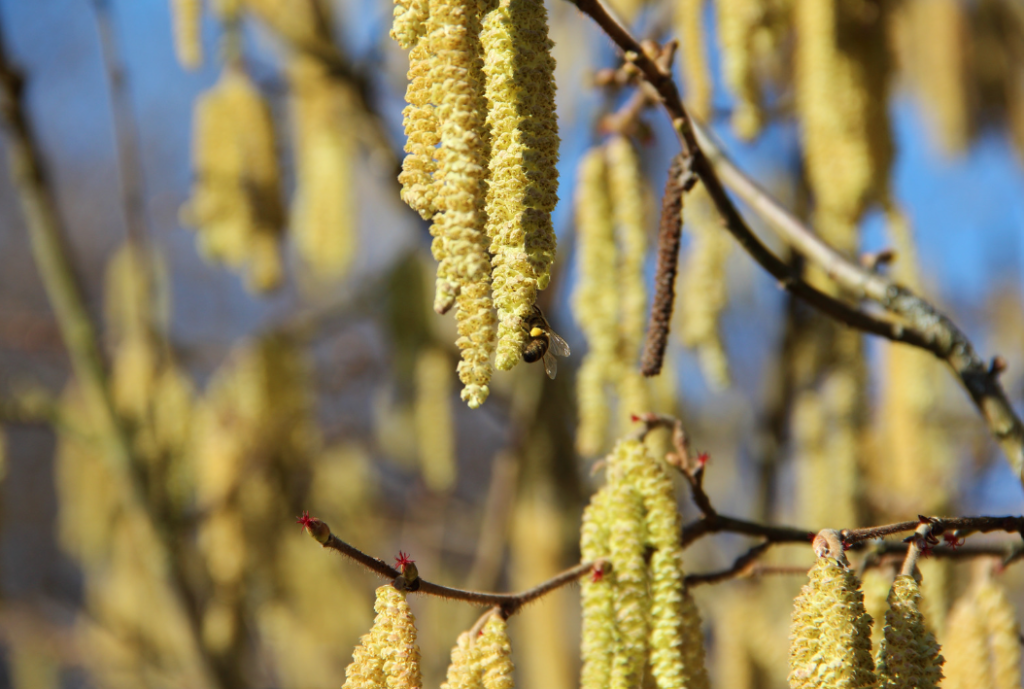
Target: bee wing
x,y
550,365
557,346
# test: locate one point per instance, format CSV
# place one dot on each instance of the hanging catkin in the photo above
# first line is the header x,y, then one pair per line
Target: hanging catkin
x,y
523,181
323,212
639,614
689,21
831,633
236,204
702,291
738,21
388,656
908,657
595,301
842,68
186,19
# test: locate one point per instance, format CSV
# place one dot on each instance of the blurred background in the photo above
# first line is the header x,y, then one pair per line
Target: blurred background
x,y
271,347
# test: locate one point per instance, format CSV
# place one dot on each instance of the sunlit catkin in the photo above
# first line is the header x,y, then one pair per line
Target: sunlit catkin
x,y
236,204
908,657
830,639
598,596
410,22
421,139
495,654
689,21
676,641
629,196
966,648
435,432
465,670
388,657
842,69
702,292
632,602
323,213
738,21
186,18
523,183
595,301
1003,634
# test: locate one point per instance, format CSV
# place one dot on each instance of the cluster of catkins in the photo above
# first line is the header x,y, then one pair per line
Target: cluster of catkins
x,y
236,205
831,635
482,147
388,657
638,615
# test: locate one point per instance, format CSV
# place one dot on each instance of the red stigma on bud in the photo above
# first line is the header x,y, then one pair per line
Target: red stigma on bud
x,y
703,458
596,574
953,541
634,418
402,561
305,520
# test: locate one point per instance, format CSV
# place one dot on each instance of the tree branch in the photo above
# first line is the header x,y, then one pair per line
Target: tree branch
x,y
408,578
923,326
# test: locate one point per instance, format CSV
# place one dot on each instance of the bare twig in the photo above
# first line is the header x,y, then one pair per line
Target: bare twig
x,y
509,603
923,326
126,133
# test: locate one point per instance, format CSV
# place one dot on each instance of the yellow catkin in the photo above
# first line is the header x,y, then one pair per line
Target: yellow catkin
x,y
465,670
410,21
831,633
435,431
523,183
966,648
1003,634
676,641
187,18
689,21
323,212
738,21
702,290
632,600
595,301
598,596
936,54
908,657
876,584
841,76
235,203
629,196
916,453
388,657
495,653
464,269
422,138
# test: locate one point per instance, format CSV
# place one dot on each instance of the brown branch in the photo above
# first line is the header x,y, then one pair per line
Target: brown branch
x,y
923,326
740,567
960,527
671,229
408,578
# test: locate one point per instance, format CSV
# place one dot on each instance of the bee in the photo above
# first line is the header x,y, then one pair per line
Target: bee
x,y
543,342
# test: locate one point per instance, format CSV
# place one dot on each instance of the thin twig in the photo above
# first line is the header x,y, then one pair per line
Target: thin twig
x,y
510,603
126,133
923,326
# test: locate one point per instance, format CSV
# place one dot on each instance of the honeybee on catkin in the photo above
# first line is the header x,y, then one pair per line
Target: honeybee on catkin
x,y
543,343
